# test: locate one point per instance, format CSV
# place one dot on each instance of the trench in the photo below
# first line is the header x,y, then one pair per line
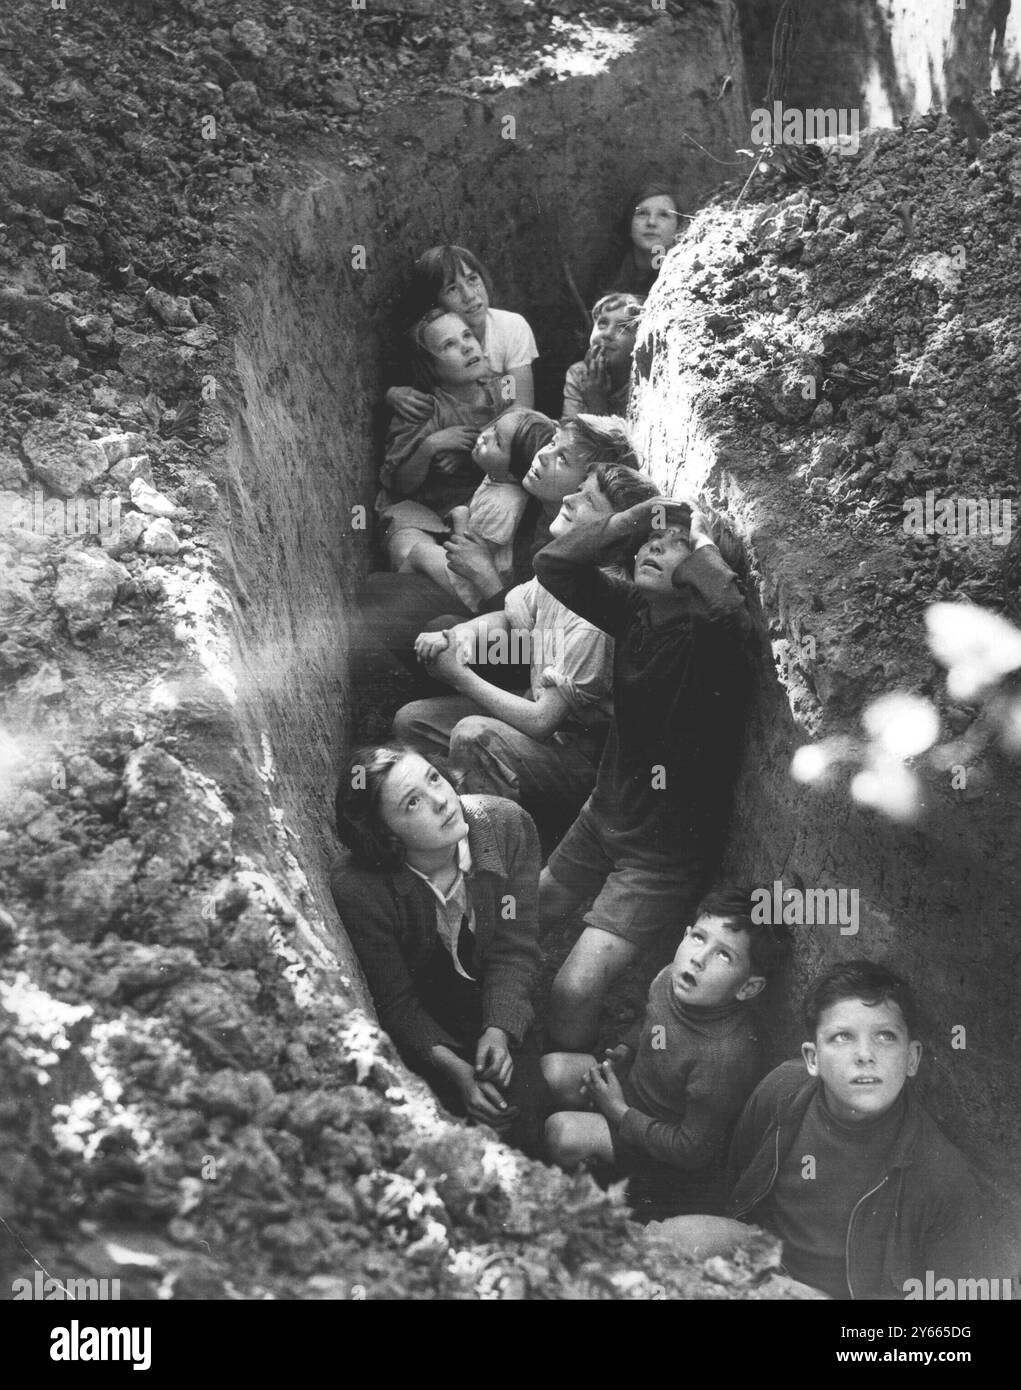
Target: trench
x,y
311,344
312,297
223,990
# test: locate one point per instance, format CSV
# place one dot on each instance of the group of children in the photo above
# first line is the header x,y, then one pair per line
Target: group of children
x,y
628,717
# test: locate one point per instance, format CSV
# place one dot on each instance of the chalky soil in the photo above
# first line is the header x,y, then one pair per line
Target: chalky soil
x,y
202,235
191,1070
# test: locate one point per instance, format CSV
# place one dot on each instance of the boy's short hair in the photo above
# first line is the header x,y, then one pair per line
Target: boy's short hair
x,y
630,304
769,945
602,439
859,979
623,487
435,269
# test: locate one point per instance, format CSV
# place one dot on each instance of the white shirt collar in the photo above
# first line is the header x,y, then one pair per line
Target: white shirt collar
x,y
464,863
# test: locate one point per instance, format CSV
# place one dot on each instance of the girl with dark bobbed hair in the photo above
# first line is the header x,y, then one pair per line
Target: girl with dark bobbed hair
x,y
438,894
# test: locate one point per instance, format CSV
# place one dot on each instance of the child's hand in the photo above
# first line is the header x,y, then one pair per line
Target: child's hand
x,y
619,1057
666,512
428,645
449,665
595,389
698,537
603,1088
493,1061
700,533
409,404
457,519
455,439
484,1102
472,559
637,523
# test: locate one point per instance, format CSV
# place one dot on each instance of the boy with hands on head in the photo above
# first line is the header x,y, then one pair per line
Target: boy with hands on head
x,y
644,844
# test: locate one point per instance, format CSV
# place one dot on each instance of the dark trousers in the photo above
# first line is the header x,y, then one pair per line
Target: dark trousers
x,y
456,1005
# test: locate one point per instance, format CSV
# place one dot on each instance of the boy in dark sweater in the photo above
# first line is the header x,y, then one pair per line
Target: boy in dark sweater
x,y
843,1164
665,1100
644,843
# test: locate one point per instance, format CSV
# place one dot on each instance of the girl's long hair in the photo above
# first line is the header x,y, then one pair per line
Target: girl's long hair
x,y
360,825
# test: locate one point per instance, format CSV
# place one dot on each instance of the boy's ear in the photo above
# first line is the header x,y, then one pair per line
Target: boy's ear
x,y
754,985
914,1058
809,1054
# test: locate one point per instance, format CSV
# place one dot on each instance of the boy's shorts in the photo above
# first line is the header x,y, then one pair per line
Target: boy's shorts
x,y
633,901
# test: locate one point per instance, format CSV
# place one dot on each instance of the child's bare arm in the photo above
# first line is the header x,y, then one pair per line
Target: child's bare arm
x,y
538,719
472,560
473,635
428,558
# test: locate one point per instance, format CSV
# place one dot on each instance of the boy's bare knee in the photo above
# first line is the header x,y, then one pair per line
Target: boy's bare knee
x,y
565,996
470,733
401,544
563,1073
574,1008
551,1066
558,1070
558,1133
580,979
555,901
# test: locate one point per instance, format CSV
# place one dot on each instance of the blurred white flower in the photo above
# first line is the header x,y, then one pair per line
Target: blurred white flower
x,y
902,725
809,762
813,760
888,786
977,647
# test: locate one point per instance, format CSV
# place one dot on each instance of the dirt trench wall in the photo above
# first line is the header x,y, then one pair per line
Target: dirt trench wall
x,y
311,335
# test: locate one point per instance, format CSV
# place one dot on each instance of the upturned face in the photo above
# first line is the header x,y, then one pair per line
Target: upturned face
x,y
654,222
492,450
614,331
863,1054
713,965
556,470
658,558
588,504
465,295
421,807
455,350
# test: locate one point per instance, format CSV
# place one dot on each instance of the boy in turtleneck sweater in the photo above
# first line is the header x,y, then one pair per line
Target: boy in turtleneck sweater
x,y
666,1099
868,1196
